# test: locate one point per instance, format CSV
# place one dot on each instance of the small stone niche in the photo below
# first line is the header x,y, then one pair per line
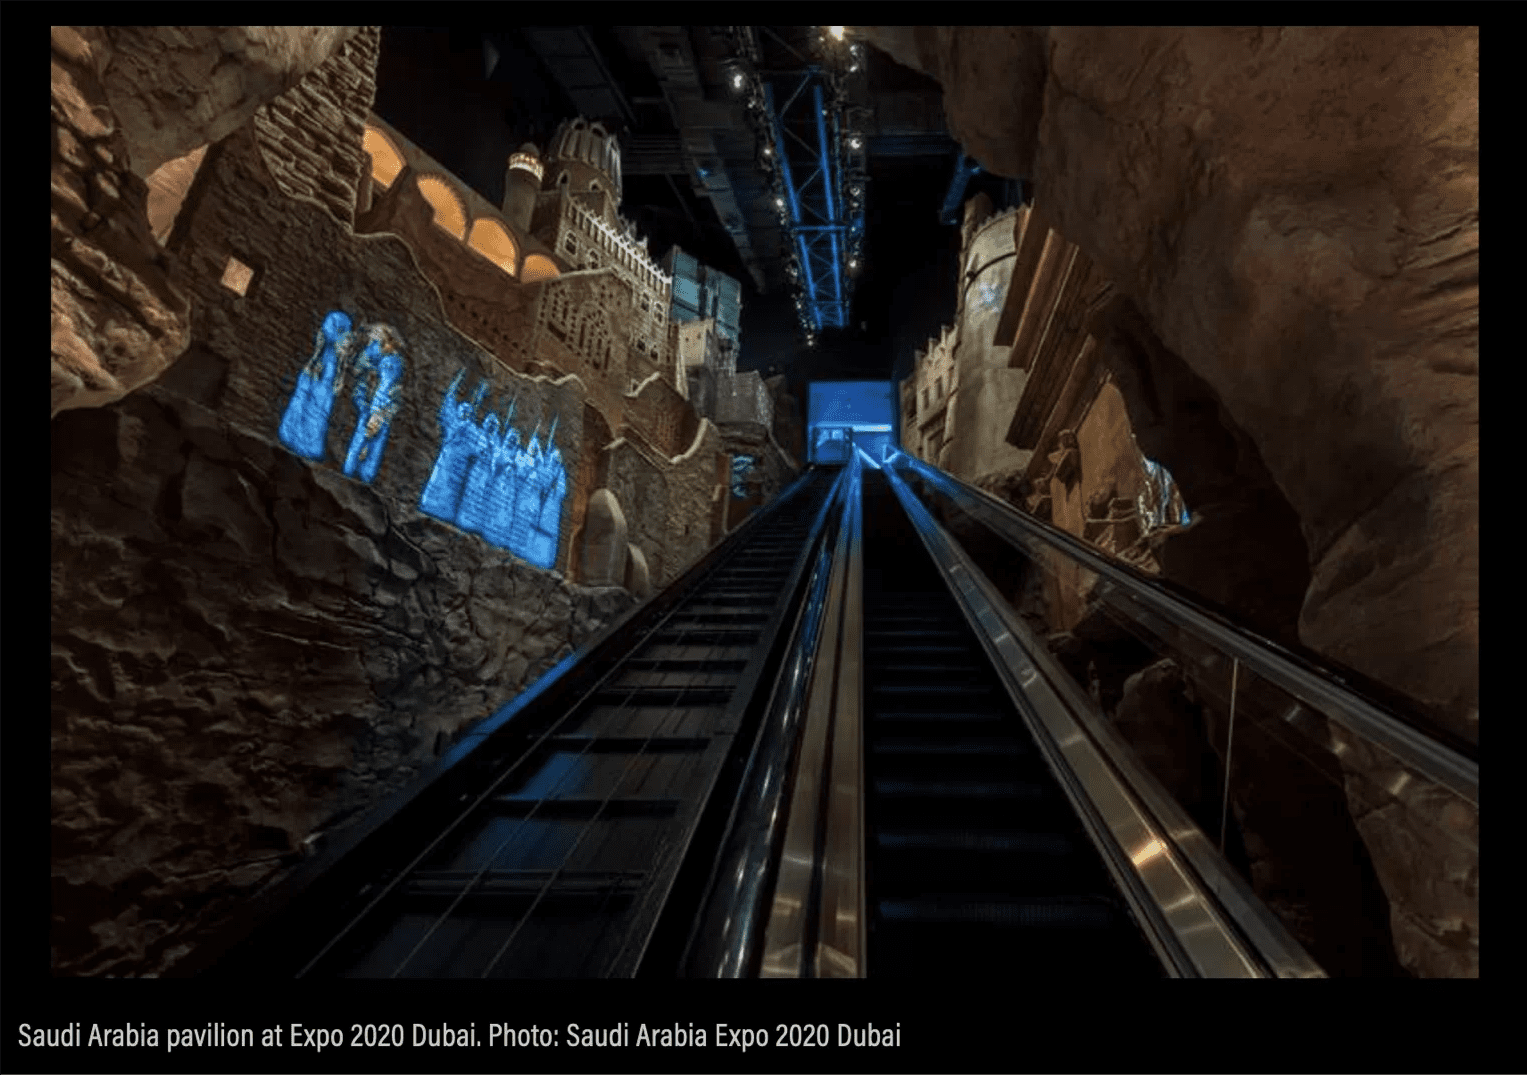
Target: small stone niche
x,y
237,276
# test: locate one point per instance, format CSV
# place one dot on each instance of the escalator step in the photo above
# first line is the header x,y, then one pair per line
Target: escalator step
x,y
626,744
980,716
965,840
959,789
639,695
513,805
957,692
984,909
956,747
522,884
684,664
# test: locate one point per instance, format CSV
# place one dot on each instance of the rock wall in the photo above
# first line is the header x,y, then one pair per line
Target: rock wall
x,y
174,88
1295,210
663,415
117,322
249,650
789,426
125,101
1295,213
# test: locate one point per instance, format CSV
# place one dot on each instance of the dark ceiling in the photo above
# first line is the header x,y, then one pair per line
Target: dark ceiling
x,y
469,96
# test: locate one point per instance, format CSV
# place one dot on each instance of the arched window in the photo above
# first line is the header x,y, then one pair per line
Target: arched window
x,y
491,241
539,267
450,215
386,161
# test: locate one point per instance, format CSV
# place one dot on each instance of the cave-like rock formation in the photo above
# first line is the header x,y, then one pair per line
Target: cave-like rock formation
x,y
1294,212
125,101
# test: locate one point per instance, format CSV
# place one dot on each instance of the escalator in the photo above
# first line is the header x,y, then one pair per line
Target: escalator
x,y
829,749
552,851
974,858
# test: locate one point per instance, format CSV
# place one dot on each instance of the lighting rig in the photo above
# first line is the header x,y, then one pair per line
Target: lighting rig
x,y
812,146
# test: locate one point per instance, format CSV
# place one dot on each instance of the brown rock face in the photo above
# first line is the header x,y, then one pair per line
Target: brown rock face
x,y
1295,213
125,101
1244,549
174,88
116,320
249,650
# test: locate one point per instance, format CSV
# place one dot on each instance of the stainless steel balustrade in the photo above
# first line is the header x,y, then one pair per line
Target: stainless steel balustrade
x,y
816,926
729,925
1200,917
1321,689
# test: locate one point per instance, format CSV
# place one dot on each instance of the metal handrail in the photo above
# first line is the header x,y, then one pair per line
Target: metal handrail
x,y
727,929
1322,689
1200,918
790,947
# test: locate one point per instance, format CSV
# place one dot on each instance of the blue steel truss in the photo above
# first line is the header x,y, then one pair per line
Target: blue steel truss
x,y
822,192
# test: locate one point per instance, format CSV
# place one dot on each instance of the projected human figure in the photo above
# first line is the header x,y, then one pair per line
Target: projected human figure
x,y
527,496
458,448
377,395
475,507
306,421
504,488
551,488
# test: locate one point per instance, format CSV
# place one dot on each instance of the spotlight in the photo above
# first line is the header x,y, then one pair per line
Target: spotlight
x,y
768,151
853,263
737,81
836,32
855,142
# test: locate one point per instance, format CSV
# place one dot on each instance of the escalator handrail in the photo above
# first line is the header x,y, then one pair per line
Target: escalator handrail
x,y
556,688
1198,927
724,940
1323,688
788,946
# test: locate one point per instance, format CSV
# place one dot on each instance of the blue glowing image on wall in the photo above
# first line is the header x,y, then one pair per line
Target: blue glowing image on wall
x,y
488,480
371,360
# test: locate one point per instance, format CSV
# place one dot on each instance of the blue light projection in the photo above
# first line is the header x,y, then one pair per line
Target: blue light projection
x,y
377,398
306,420
742,466
490,481
377,373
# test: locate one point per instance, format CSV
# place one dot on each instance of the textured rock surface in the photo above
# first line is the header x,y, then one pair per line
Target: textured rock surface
x,y
1244,549
125,101
117,322
249,650
174,88
1295,212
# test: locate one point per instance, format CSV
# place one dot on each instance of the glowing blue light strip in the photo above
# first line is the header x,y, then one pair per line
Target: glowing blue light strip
x,y
829,179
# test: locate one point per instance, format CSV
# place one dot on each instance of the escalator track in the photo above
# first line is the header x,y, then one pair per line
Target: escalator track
x,y
559,863
975,861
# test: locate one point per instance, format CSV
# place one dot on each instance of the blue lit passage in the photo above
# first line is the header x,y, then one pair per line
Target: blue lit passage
x,y
371,360
490,481
844,415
